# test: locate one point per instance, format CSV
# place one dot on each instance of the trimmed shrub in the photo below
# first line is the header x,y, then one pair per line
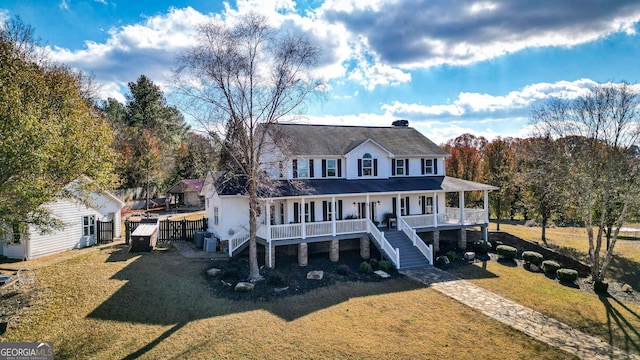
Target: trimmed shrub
x,y
481,246
507,252
276,278
600,287
343,269
532,257
567,275
365,267
451,255
550,266
384,265
374,263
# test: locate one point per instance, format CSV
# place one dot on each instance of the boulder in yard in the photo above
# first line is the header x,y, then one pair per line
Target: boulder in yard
x,y
381,274
469,256
244,286
315,275
627,288
213,272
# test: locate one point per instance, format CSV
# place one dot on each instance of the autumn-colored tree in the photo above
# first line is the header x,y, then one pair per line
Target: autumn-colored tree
x,y
51,133
465,162
499,169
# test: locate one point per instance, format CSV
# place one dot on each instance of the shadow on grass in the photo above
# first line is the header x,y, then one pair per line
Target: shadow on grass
x,y
163,288
507,262
617,322
473,272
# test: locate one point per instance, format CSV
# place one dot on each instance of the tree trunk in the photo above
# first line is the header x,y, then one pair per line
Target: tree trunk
x,y
544,229
254,271
498,210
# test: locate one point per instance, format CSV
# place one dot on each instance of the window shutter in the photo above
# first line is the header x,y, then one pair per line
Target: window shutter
x,y
324,168
311,168
296,212
312,211
339,167
406,166
422,164
324,211
295,168
435,166
375,167
423,200
393,166
394,206
339,210
359,167
406,203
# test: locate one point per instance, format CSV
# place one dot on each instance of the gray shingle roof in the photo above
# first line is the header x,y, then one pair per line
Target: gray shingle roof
x,y
322,140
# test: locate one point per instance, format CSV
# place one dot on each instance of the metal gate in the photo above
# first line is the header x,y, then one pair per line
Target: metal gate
x,y
105,232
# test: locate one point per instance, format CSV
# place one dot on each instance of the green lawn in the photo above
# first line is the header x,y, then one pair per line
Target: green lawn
x,y
109,304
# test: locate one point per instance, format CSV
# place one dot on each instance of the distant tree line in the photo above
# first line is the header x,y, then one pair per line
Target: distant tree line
x,y
155,145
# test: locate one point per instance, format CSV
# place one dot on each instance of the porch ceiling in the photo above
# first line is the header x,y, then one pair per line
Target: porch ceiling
x,y
398,184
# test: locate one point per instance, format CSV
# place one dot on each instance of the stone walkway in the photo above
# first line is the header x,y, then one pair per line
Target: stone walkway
x,y
526,320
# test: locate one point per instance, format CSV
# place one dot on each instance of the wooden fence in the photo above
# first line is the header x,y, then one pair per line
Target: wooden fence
x,y
168,230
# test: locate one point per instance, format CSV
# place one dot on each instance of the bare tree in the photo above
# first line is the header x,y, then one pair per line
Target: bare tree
x,y
599,132
247,77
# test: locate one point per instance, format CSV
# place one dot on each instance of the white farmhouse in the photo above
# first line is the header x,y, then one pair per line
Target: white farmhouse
x,y
376,184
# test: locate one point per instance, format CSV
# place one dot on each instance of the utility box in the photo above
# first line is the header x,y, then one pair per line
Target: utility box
x,y
210,244
145,236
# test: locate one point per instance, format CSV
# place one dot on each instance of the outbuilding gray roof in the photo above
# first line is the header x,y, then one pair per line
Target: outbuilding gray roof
x,y
325,140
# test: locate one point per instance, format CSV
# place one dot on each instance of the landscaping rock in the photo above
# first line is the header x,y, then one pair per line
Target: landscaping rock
x,y
469,256
315,275
213,272
442,260
627,288
244,286
381,274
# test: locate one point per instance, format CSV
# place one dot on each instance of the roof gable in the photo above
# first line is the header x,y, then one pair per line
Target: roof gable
x,y
340,140
369,141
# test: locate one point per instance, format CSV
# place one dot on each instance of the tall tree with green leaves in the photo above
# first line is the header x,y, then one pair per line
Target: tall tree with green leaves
x,y
251,75
600,132
51,132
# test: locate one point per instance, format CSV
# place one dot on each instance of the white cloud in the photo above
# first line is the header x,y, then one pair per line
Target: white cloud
x,y
63,5
469,103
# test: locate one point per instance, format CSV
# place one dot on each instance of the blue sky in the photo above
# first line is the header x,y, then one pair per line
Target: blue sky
x,y
447,66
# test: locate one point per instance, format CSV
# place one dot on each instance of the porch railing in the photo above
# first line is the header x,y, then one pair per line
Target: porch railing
x,y
237,240
383,243
426,250
312,229
471,216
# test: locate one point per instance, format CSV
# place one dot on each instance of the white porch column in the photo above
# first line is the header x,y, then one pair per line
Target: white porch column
x,y
367,205
303,211
486,206
461,204
335,215
268,211
398,207
434,208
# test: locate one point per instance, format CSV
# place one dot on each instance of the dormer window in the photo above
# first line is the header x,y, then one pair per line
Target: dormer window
x,y
367,165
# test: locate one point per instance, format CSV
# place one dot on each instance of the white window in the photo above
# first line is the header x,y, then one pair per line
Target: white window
x,y
332,168
367,165
216,218
428,166
303,168
88,225
400,166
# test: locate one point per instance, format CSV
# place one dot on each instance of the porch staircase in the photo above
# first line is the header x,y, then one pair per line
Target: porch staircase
x,y
410,256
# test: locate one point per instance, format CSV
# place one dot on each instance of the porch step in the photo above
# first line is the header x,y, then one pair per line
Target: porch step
x,y
410,256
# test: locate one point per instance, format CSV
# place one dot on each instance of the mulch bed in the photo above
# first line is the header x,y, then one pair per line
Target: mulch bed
x,y
288,278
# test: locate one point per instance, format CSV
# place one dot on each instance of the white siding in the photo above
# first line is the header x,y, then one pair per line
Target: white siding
x,y
70,213
233,215
384,163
